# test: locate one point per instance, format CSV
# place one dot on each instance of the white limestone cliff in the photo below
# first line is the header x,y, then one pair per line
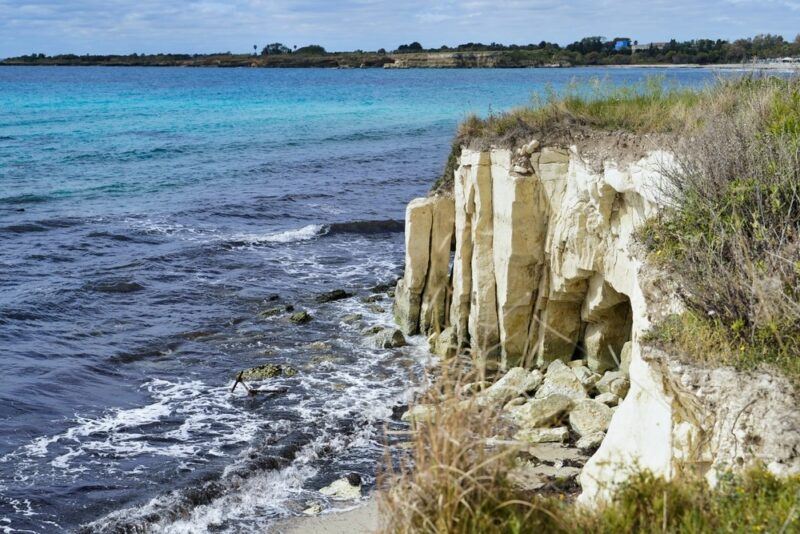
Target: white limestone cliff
x,y
545,267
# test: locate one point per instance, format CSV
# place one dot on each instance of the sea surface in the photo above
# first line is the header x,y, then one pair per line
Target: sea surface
x,y
148,219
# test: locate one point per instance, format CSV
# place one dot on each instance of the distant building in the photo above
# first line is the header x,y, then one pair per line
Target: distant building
x,y
642,47
622,43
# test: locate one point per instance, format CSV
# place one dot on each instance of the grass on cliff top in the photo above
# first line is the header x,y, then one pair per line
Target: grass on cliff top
x,y
459,480
731,234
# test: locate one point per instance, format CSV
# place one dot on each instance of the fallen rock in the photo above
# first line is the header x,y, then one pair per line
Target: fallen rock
x,y
419,413
342,490
543,435
609,399
514,403
542,412
625,358
313,509
560,380
336,294
517,381
591,441
388,338
614,382
300,317
589,416
586,376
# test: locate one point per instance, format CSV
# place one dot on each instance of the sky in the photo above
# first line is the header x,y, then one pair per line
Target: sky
x,y
200,26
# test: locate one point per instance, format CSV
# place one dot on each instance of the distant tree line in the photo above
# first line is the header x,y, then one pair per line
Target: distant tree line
x,y
593,50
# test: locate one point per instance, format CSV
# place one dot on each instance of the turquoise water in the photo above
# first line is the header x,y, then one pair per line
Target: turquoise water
x,y
147,218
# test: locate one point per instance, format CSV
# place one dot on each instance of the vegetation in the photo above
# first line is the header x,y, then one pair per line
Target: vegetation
x,y
459,480
732,234
586,51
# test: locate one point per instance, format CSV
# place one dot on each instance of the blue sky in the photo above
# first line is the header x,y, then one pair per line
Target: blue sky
x,y
125,26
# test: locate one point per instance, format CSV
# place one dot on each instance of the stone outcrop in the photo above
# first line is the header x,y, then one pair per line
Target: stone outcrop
x,y
546,275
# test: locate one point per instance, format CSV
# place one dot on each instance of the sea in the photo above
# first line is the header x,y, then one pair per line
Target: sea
x,y
156,224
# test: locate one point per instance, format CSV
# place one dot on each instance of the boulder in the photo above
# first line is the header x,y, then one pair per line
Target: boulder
x,y
352,318
371,299
591,441
614,382
517,381
389,338
625,359
587,378
541,412
560,380
589,416
543,435
300,317
419,413
336,294
372,330
268,370
609,399
342,490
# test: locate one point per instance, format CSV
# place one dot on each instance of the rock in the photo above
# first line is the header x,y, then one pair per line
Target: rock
x,y
419,413
521,169
589,416
513,403
574,364
560,380
614,382
436,294
288,308
352,318
374,308
609,399
268,370
300,317
272,298
389,338
591,441
342,490
543,435
625,358
336,294
531,147
313,509
371,299
587,378
372,330
542,412
445,343
271,312
517,381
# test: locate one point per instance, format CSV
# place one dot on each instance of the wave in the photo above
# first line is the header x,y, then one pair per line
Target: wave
x,y
288,236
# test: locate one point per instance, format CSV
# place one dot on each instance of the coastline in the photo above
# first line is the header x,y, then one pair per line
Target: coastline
x,y
362,519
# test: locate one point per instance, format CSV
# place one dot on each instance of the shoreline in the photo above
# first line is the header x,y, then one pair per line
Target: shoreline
x,y
361,519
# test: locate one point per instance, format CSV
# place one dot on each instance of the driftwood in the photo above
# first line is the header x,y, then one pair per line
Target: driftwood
x,y
255,391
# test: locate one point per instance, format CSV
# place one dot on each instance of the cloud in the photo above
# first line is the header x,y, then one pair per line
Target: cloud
x,y
124,26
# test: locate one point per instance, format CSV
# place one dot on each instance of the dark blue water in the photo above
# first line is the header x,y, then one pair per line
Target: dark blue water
x,y
147,218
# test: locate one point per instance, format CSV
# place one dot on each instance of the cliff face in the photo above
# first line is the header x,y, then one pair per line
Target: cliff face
x,y
544,268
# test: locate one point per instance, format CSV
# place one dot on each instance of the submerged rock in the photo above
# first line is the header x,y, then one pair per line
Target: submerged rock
x,y
352,318
300,317
336,294
271,312
372,330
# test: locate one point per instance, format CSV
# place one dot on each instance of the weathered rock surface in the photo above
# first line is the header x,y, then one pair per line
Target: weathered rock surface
x,y
543,435
388,338
614,382
589,417
542,412
517,381
342,490
560,380
591,441
300,317
335,294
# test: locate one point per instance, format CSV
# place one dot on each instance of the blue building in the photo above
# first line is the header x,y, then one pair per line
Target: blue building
x,y
622,43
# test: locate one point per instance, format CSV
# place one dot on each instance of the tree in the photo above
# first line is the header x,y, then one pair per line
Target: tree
x,y
274,49
311,50
412,47
255,49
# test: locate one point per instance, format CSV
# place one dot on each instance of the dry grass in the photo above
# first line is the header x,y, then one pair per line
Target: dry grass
x,y
732,234
457,480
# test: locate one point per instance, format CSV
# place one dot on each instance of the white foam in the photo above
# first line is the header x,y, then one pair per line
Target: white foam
x,y
288,236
